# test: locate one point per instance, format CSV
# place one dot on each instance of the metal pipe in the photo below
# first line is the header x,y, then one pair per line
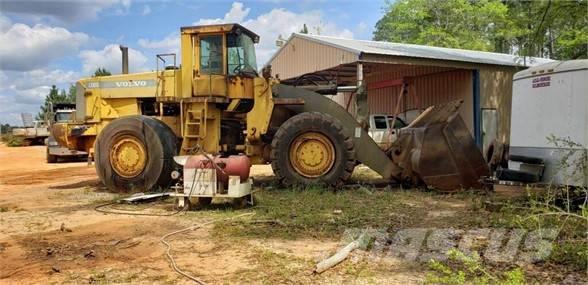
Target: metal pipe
x,y
359,74
125,59
346,88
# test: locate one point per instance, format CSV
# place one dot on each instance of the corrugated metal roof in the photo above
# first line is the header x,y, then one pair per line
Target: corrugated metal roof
x,y
418,51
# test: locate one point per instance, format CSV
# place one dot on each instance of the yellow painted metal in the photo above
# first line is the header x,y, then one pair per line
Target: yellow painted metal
x,y
168,87
195,94
258,118
241,88
188,68
312,154
201,128
210,85
128,156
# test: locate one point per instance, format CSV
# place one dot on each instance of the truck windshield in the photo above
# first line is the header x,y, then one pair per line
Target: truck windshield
x,y
241,54
62,117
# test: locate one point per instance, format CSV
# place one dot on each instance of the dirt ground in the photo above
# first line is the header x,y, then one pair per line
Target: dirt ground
x,y
51,233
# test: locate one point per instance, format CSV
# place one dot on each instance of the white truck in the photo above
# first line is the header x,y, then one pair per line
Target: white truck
x,y
549,101
33,132
383,129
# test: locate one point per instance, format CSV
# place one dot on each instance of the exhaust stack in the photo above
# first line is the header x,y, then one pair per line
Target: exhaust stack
x,y
125,59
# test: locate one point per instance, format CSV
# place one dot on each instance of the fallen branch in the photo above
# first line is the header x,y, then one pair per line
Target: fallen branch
x,y
340,255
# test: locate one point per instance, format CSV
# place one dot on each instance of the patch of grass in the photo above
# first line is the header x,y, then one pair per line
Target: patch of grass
x,y
572,254
359,270
570,249
11,140
321,213
469,269
3,209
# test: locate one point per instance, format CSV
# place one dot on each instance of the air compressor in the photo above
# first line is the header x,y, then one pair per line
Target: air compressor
x,y
206,177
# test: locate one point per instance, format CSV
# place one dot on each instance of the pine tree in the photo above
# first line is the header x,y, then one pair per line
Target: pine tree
x,y
101,71
304,29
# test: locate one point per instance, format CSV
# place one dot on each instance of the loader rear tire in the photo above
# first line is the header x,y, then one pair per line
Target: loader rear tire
x,y
135,153
311,148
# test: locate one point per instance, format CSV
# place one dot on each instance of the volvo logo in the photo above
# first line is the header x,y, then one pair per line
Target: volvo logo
x,y
121,84
138,83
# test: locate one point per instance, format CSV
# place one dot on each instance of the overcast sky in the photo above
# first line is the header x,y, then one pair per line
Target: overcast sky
x,y
59,42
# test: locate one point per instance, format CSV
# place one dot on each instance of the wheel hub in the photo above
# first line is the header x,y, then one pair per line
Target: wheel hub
x,y
312,154
127,156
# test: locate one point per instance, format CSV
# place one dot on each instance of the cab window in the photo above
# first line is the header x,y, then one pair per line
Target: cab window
x,y
380,122
63,117
211,54
241,54
398,123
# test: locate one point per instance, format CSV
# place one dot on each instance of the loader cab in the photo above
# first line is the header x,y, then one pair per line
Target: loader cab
x,y
218,61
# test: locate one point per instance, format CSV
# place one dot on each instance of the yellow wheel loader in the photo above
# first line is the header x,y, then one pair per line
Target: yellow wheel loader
x,y
216,103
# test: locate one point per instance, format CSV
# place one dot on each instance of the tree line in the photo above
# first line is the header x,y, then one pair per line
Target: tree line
x,y
541,28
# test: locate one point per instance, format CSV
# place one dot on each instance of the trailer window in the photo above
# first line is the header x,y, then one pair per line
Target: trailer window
x,y
211,54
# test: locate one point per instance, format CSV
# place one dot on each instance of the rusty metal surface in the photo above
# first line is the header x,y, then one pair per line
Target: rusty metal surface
x,y
437,149
59,132
427,86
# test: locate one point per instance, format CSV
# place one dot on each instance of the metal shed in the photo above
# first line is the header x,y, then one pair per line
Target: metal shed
x,y
430,75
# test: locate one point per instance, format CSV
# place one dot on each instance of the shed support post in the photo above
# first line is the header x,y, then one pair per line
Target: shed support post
x,y
477,109
361,106
359,73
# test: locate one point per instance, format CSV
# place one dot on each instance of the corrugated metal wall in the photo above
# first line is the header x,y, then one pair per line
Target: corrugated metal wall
x,y
427,86
301,56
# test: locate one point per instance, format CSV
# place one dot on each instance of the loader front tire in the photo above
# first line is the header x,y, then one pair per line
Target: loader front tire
x,y
50,157
311,148
135,154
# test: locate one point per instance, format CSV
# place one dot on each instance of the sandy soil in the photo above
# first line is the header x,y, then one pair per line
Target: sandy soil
x,y
50,233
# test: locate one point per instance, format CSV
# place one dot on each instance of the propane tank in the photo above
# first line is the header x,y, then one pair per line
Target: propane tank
x,y
233,165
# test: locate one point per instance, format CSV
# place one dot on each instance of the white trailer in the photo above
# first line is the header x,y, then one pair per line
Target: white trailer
x,y
550,99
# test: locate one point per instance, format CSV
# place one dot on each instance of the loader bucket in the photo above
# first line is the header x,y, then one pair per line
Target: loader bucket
x,y
437,149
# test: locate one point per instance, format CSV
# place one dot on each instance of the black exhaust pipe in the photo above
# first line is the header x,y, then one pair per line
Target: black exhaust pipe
x,y
125,59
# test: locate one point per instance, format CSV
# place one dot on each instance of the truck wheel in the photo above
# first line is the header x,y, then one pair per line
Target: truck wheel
x,y
311,148
135,153
51,158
